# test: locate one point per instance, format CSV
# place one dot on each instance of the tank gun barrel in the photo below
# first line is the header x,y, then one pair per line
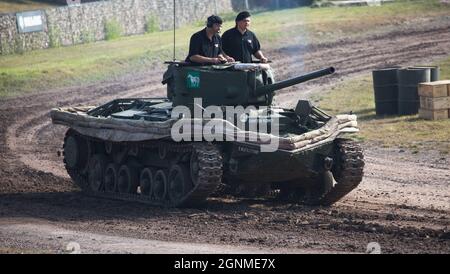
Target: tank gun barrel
x,y
294,81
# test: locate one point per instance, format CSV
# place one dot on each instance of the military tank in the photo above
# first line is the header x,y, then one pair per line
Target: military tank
x,y
131,149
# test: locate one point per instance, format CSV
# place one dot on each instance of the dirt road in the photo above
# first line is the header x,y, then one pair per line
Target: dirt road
x,y
403,202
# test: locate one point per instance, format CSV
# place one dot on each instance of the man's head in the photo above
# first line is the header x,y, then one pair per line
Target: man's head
x,y
243,20
215,23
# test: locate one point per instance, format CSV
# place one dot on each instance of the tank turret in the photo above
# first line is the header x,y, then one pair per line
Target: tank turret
x,y
227,86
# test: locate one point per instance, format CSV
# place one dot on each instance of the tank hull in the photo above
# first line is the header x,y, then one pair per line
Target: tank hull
x,y
131,155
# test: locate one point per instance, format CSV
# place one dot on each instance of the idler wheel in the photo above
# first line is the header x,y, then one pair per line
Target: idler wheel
x,y
76,152
71,152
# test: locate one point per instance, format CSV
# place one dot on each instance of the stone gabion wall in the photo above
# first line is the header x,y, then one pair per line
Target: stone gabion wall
x,y
65,26
11,41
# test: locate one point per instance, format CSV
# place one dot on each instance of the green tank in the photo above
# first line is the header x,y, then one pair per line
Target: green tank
x,y
217,133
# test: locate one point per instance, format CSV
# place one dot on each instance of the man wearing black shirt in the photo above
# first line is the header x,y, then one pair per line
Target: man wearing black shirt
x,y
206,45
240,43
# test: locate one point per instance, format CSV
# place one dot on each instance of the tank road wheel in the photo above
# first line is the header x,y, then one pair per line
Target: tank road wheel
x,y
347,172
146,182
160,186
128,179
180,184
97,168
111,178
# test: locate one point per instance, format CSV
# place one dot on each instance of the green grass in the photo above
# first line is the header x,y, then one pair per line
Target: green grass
x,y
152,24
408,132
7,6
42,70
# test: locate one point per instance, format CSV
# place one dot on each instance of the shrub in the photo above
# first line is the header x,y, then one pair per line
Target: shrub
x,y
54,37
113,30
19,45
152,24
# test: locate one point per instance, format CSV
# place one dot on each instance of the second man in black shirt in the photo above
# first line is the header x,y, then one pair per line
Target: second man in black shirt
x,y
240,43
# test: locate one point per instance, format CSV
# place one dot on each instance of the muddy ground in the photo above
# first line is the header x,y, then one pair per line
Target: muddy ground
x,y
403,202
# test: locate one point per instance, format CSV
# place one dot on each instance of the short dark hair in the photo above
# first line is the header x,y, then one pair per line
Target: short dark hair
x,y
213,19
243,15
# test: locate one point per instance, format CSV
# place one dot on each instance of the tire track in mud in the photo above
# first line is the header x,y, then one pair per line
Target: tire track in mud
x,y
403,203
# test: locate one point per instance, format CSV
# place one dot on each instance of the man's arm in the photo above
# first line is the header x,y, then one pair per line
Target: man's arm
x,y
225,44
261,57
205,60
258,53
223,54
227,58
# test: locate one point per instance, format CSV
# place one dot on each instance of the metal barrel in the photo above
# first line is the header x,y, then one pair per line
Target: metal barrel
x,y
435,72
294,81
408,93
385,82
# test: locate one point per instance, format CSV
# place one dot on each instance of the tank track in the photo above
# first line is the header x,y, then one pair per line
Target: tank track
x,y
210,174
348,173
